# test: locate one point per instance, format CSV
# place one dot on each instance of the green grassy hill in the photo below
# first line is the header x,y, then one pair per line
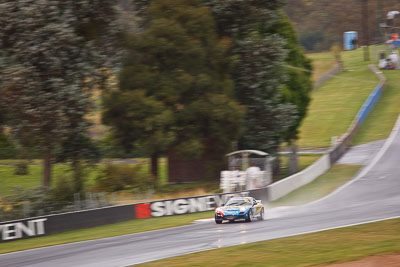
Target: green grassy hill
x,y
322,63
335,104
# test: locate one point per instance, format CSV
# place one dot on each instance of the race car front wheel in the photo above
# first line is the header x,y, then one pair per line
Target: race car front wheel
x,y
249,216
218,221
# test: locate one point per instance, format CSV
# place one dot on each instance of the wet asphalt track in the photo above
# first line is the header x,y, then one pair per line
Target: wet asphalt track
x,y
373,195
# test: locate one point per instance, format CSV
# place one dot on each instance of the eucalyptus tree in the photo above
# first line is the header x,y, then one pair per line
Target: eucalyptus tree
x,y
297,85
259,72
51,52
175,91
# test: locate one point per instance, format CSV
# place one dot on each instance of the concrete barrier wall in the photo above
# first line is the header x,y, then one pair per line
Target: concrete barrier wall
x,y
291,183
338,150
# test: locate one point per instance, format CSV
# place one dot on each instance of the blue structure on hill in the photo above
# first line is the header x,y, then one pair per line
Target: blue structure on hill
x,y
350,40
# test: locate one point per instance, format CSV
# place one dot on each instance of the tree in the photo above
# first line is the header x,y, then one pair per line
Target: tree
x,y
241,18
81,151
258,73
51,52
179,69
137,118
7,148
259,78
298,83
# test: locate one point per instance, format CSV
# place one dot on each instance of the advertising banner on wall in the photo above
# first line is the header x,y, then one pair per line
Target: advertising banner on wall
x,y
183,205
58,223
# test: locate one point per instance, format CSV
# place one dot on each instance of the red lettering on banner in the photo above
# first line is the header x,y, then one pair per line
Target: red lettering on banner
x,y
142,211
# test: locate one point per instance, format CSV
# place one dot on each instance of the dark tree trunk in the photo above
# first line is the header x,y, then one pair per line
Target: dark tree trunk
x,y
183,170
276,166
154,166
206,167
293,159
47,167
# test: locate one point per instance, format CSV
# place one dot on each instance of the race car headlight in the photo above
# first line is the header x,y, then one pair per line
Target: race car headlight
x,y
243,209
219,210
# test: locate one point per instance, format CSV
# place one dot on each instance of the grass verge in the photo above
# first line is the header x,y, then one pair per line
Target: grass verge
x,y
9,180
339,245
335,104
320,187
305,160
122,228
322,63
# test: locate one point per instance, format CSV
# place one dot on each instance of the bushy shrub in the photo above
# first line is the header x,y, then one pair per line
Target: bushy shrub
x,y
119,177
62,194
40,201
21,168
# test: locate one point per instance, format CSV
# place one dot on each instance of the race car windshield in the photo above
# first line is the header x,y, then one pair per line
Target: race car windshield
x,y
238,202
